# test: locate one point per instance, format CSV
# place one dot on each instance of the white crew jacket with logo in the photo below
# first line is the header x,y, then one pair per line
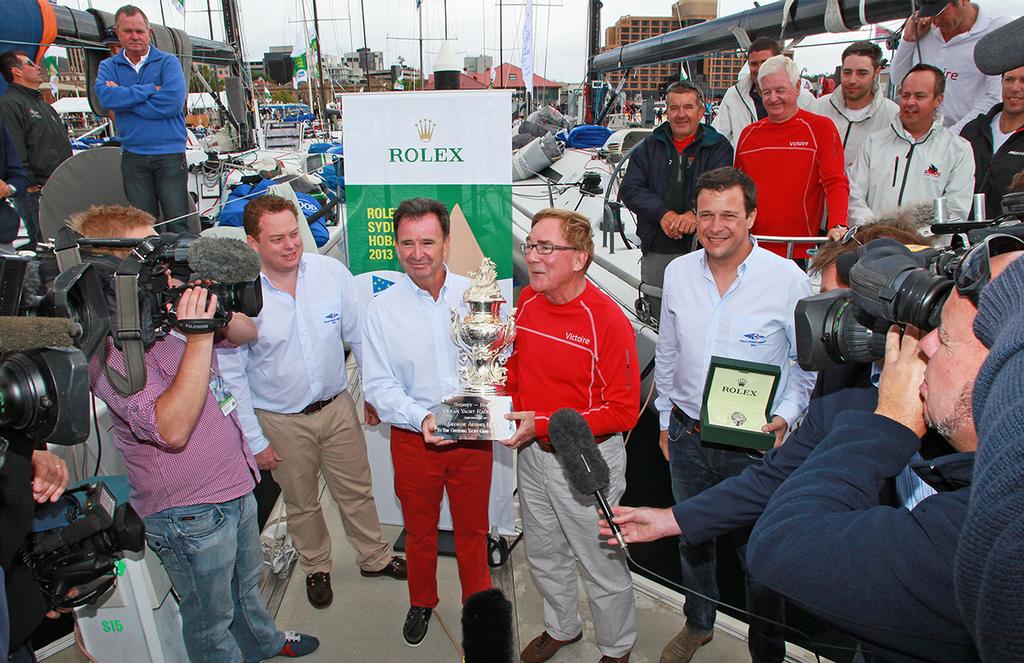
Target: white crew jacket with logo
x,y
880,113
893,170
737,109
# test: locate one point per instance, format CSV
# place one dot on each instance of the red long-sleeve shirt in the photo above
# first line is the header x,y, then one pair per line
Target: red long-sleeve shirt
x,y
580,355
798,166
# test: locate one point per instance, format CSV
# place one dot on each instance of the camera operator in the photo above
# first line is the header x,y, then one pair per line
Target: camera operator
x,y
826,541
990,559
192,475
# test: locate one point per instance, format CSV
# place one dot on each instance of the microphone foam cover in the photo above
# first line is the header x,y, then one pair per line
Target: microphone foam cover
x,y
1001,50
573,440
223,259
20,333
487,628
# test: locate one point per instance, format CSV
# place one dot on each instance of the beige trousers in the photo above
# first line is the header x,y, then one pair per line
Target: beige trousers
x,y
329,441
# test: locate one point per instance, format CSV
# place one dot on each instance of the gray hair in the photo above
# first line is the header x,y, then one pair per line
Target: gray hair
x,y
779,64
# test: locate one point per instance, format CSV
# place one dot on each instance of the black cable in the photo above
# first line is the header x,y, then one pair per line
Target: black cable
x,y
682,588
99,442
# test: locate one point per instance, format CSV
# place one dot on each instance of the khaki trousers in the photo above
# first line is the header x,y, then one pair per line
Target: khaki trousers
x,y
329,441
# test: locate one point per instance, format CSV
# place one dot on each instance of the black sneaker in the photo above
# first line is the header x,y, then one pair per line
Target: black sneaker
x,y
415,628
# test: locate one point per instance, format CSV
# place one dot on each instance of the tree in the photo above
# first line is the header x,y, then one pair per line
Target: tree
x,y
283,96
205,72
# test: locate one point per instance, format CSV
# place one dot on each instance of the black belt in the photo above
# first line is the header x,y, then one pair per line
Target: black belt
x,y
316,406
691,426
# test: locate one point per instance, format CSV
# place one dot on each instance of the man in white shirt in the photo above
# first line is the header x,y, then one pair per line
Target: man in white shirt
x,y
411,365
731,299
291,386
944,33
997,140
858,107
916,159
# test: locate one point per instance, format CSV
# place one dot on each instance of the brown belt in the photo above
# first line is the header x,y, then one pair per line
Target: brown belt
x,y
316,406
546,446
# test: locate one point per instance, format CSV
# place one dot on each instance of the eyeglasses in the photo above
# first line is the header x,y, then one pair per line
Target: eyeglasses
x,y
27,63
851,236
974,270
684,86
544,248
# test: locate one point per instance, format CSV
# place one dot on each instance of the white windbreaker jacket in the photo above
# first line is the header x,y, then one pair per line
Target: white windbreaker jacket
x,y
881,113
893,170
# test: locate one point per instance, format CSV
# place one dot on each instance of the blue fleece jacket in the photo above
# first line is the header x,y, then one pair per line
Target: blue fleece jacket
x,y
882,574
990,558
149,121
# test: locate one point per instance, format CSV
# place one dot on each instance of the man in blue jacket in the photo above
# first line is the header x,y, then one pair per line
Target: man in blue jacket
x,y
145,88
660,185
12,179
885,574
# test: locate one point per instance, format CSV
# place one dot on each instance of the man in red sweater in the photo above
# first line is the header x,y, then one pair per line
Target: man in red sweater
x,y
574,348
795,158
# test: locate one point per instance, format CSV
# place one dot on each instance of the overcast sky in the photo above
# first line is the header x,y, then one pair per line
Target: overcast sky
x,y
392,26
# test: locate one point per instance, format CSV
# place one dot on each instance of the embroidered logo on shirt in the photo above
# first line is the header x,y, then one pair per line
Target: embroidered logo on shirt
x,y
753,339
569,336
332,318
799,143
379,284
932,171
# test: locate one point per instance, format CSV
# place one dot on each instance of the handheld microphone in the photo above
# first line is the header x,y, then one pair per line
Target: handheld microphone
x,y
1001,50
487,628
21,333
586,468
223,259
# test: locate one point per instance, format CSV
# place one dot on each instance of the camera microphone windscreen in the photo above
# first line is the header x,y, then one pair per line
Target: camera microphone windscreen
x,y
223,259
583,463
1001,50
21,333
487,628
574,442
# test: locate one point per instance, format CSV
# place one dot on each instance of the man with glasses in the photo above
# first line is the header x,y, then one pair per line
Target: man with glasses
x,y
826,540
37,130
916,159
562,315
944,33
659,185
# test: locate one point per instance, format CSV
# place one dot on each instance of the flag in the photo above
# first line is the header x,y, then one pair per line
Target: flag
x,y
49,65
179,5
379,284
528,47
299,70
314,49
266,93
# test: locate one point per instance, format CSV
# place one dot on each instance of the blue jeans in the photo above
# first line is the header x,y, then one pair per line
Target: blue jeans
x,y
27,203
213,557
155,183
694,467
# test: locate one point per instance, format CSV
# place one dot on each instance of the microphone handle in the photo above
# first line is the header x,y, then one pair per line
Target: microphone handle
x,y
606,511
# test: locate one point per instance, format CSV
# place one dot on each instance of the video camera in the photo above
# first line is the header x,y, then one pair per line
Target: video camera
x,y
890,284
142,303
76,542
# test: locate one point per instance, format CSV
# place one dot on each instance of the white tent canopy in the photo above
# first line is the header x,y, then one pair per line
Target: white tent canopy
x,y
197,101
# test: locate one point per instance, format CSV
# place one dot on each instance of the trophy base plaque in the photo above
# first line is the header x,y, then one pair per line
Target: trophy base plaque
x,y
471,417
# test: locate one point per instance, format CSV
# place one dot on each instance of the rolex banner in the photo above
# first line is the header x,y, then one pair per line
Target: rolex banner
x,y
453,146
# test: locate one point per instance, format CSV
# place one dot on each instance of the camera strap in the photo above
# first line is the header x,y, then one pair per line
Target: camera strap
x,y
129,336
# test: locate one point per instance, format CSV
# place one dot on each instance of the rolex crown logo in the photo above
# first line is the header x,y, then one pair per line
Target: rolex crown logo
x,y
742,382
425,128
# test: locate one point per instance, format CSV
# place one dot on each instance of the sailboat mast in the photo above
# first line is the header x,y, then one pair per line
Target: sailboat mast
x,y
593,46
309,79
419,10
319,63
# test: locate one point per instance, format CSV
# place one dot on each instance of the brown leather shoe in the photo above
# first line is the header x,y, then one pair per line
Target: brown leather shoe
x,y
680,649
615,659
318,590
396,569
544,647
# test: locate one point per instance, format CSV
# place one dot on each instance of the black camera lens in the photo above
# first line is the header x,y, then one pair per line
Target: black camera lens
x,y
832,329
244,298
